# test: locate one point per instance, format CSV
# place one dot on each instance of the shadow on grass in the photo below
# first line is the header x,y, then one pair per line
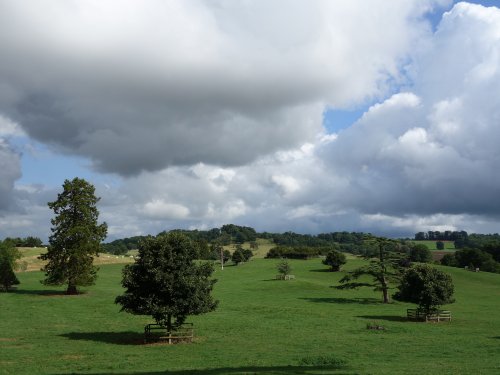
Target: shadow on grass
x,y
361,301
391,318
44,292
117,338
322,270
265,370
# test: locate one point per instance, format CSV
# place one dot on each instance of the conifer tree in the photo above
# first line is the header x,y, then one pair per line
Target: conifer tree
x,y
76,237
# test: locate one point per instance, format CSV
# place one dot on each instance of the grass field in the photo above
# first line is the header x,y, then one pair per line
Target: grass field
x,y
431,245
262,326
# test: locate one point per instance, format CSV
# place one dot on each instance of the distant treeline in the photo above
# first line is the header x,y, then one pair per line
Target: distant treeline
x,y
24,242
477,251
442,236
235,234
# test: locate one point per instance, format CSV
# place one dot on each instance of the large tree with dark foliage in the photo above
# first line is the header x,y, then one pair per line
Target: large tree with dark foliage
x,y
426,286
76,237
166,283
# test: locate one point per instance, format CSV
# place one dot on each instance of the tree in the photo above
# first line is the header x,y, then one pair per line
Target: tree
x,y
384,268
284,267
76,237
8,257
334,259
241,255
166,283
440,245
238,256
420,253
426,286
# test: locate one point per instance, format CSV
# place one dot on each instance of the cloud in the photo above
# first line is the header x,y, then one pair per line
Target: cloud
x,y
433,150
140,86
237,138
10,171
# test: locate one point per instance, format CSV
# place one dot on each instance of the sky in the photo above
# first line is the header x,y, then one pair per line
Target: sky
x,y
300,115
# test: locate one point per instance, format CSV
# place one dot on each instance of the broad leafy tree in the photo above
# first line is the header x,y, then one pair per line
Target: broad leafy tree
x,y
166,282
8,257
76,237
426,286
420,253
334,259
384,268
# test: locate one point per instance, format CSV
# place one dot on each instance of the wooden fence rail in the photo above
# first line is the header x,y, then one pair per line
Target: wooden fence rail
x,y
420,315
156,332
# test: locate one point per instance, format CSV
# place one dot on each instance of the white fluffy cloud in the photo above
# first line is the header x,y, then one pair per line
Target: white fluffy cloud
x,y
140,86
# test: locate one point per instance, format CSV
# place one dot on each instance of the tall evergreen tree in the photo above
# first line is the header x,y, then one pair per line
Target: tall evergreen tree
x,y
76,237
8,256
166,283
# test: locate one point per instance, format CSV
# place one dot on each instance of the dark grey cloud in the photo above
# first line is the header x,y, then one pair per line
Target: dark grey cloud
x,y
140,86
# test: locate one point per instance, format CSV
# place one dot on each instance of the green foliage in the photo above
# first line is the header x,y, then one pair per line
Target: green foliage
x,y
449,260
166,283
241,255
426,286
420,253
8,257
334,259
474,258
284,267
440,245
383,269
29,241
298,252
75,238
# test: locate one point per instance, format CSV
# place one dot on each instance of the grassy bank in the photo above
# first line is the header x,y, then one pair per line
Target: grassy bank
x,y
262,326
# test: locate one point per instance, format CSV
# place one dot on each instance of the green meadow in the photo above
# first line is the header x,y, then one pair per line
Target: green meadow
x,y
431,245
262,326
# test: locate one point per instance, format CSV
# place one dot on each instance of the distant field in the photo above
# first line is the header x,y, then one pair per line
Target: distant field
x,y
448,245
262,326
264,246
30,256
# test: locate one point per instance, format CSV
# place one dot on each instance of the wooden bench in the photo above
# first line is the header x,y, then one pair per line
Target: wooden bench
x,y
285,277
158,333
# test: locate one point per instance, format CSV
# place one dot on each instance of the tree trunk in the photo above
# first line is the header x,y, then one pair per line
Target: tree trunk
x,y
385,290
71,290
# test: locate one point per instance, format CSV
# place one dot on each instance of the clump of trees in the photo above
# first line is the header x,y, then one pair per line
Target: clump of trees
x,y
241,255
29,241
166,282
8,258
419,253
334,259
472,258
426,286
293,252
76,237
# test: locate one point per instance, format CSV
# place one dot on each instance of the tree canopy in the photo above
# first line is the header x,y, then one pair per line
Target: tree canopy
x,y
166,283
334,259
76,237
8,257
426,286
